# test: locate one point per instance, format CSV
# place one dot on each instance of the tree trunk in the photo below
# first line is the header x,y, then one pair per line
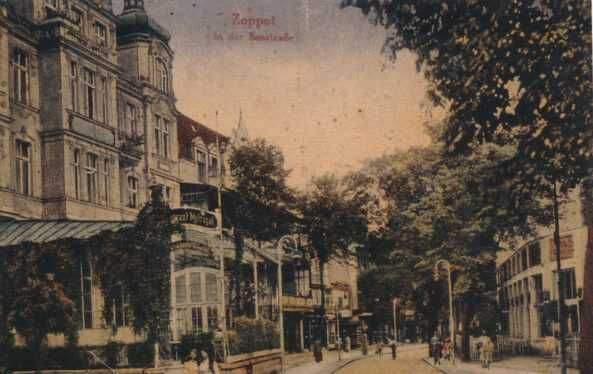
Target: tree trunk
x,y
561,306
322,321
466,318
586,345
237,272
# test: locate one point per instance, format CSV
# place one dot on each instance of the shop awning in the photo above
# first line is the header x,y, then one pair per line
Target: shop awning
x,y
15,232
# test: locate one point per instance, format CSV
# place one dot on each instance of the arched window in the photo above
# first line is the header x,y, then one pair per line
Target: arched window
x,y
162,76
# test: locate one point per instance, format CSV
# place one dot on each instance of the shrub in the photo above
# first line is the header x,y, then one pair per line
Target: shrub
x,y
141,355
253,335
111,353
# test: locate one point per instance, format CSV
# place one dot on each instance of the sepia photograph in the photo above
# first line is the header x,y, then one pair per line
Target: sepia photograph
x,y
296,187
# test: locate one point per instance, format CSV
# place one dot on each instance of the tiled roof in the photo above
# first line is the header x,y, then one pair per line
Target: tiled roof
x,y
16,232
189,129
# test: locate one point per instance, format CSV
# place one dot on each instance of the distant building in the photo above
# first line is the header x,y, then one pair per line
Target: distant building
x,y
527,281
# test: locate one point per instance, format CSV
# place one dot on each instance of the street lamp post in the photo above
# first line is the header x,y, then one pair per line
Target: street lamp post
x,y
279,251
451,319
339,338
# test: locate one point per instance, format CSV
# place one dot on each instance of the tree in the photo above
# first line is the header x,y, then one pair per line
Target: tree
x,y
137,262
259,206
333,221
455,208
510,72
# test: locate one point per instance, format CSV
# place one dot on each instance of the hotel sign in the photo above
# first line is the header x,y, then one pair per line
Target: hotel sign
x,y
194,217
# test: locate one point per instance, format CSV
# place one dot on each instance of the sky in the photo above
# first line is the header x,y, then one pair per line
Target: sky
x,y
327,96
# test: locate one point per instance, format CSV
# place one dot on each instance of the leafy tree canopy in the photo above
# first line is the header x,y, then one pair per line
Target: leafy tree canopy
x,y
509,72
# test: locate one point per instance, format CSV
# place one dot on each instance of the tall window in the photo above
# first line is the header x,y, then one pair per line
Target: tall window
x,y
122,312
195,287
535,254
211,288
131,119
569,287
132,192
104,99
157,134
166,150
213,166
74,86
86,282
77,19
20,76
201,158
212,317
196,319
180,295
88,95
162,138
91,177
77,173
23,167
162,76
101,34
106,180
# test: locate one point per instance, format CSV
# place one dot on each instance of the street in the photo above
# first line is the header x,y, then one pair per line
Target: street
x,y
409,361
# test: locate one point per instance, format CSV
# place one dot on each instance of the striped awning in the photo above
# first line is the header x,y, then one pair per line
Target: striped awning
x,y
15,232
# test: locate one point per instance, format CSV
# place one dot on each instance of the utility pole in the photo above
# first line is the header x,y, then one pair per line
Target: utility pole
x,y
220,242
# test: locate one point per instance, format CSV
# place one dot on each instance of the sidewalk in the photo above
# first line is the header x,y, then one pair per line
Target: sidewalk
x,y
514,365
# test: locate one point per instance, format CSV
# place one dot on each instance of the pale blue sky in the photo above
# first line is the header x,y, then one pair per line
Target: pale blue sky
x,y
329,99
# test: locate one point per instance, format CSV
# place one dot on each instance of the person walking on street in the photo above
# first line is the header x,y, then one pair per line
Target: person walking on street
x,y
435,344
486,350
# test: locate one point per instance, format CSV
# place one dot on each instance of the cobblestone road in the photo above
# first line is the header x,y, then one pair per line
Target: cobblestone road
x,y
408,362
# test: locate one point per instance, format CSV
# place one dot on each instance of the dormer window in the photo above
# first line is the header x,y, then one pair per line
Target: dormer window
x,y
101,34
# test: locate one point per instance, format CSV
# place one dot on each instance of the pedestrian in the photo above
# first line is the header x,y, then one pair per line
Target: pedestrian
x,y
447,348
486,350
435,344
379,348
317,352
347,344
394,349
190,365
365,344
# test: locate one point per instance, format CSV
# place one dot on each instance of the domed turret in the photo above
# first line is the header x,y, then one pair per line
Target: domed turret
x,y
135,22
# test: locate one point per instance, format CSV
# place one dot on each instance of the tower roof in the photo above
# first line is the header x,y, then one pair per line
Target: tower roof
x,y
134,21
